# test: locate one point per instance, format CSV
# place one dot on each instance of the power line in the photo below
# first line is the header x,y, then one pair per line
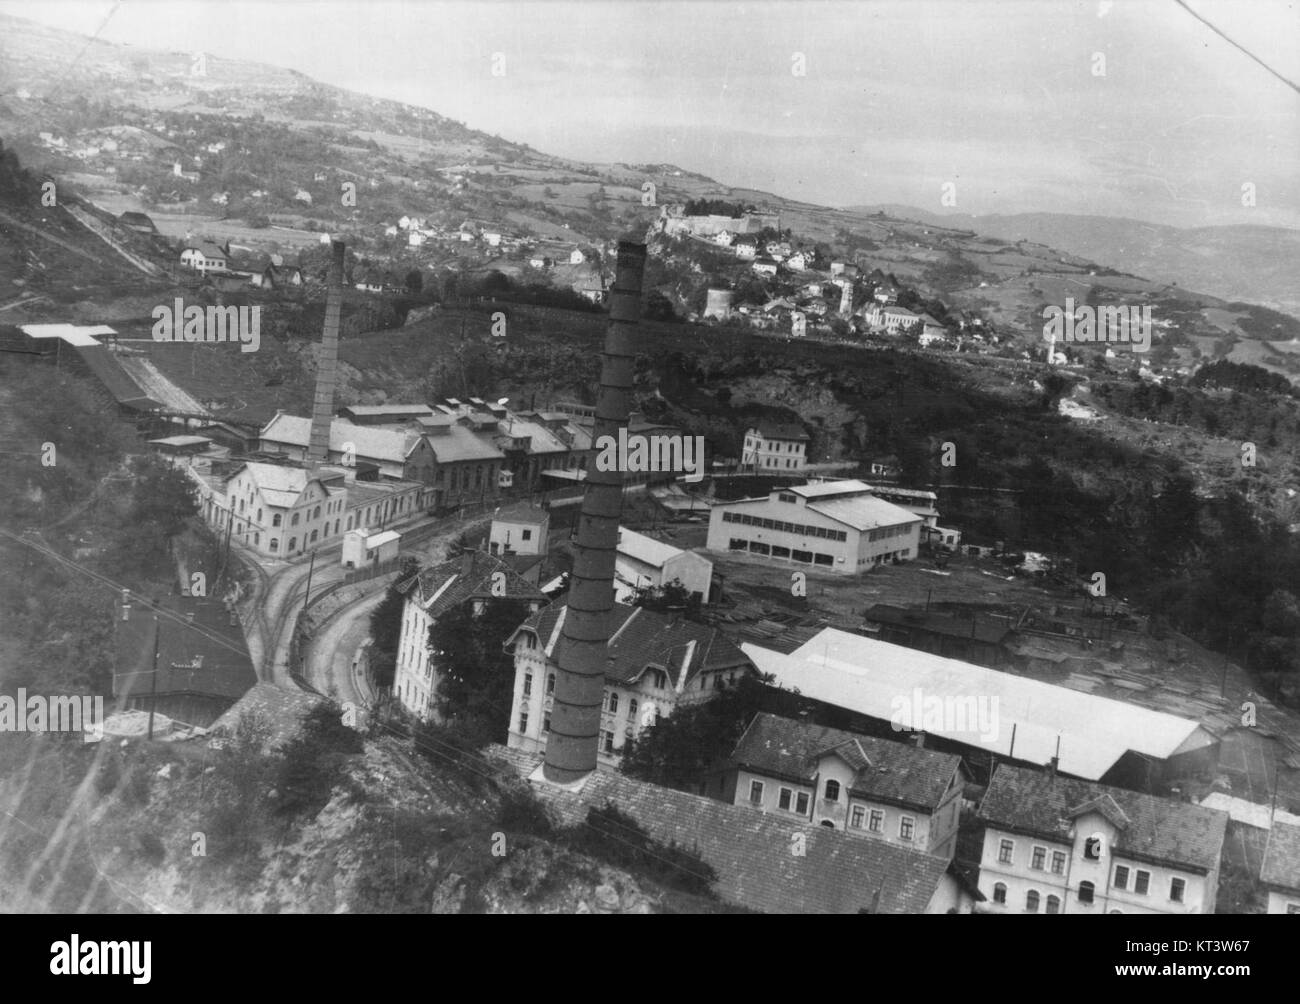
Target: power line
x,y
1237,46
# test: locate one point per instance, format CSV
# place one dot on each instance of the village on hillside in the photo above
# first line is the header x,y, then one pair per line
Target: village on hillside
x,y
404,520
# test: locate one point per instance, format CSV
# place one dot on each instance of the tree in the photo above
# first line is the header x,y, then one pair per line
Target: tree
x,y
414,281
386,626
678,748
477,677
672,596
658,307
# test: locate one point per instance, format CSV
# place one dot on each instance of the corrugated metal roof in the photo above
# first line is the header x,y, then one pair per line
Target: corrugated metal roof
x,y
863,512
370,441
882,680
639,547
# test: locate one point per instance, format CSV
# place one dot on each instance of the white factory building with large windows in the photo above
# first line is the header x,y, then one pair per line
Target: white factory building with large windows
x,y
840,526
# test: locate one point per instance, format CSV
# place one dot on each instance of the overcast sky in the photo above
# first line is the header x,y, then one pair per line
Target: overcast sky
x,y
999,98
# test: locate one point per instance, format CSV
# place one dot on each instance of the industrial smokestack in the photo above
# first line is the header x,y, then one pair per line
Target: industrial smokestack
x,y
322,412
580,683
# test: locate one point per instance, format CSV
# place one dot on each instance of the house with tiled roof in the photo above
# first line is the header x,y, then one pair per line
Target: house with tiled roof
x,y
202,664
1280,872
475,578
1055,844
872,787
780,447
762,861
655,663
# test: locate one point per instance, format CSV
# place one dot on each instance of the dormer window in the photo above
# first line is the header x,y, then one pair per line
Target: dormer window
x,y
832,791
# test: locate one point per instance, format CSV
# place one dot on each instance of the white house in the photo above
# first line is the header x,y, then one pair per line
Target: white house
x,y
893,791
203,256
362,548
521,528
656,662
840,526
1280,873
764,266
278,511
1054,844
745,247
474,578
775,446
642,562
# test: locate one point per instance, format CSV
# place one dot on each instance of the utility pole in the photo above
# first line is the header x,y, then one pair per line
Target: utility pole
x,y
153,677
311,567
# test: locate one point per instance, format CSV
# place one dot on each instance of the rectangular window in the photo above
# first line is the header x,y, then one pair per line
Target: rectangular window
x,y
1121,877
801,803
856,817
523,723
1058,862
1176,887
906,826
1141,882
783,799
528,684
607,740
1005,850
546,724
877,823
1038,861
755,792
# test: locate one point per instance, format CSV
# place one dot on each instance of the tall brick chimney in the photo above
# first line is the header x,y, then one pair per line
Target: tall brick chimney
x,y
322,412
580,683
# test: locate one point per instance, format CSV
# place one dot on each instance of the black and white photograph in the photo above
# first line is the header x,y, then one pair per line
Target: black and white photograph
x,y
630,457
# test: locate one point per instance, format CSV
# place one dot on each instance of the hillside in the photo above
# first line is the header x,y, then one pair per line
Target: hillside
x,y
1253,263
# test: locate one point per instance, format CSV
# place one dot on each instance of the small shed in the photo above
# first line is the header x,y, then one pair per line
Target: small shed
x,y
362,548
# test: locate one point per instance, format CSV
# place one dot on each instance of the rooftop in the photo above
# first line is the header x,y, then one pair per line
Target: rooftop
x,y
72,334
521,512
469,576
750,851
870,676
641,639
863,512
639,547
1281,867
368,441
895,772
1159,830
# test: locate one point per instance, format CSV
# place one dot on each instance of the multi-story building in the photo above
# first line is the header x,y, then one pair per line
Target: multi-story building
x,y
1281,869
775,447
892,791
656,663
1054,844
476,578
282,511
840,526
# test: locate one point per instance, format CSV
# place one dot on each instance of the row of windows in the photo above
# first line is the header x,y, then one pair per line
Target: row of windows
x,y
858,816
776,524
900,530
777,551
1092,852
774,446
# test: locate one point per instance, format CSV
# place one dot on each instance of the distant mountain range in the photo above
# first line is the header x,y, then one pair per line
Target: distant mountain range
x,y
1252,263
